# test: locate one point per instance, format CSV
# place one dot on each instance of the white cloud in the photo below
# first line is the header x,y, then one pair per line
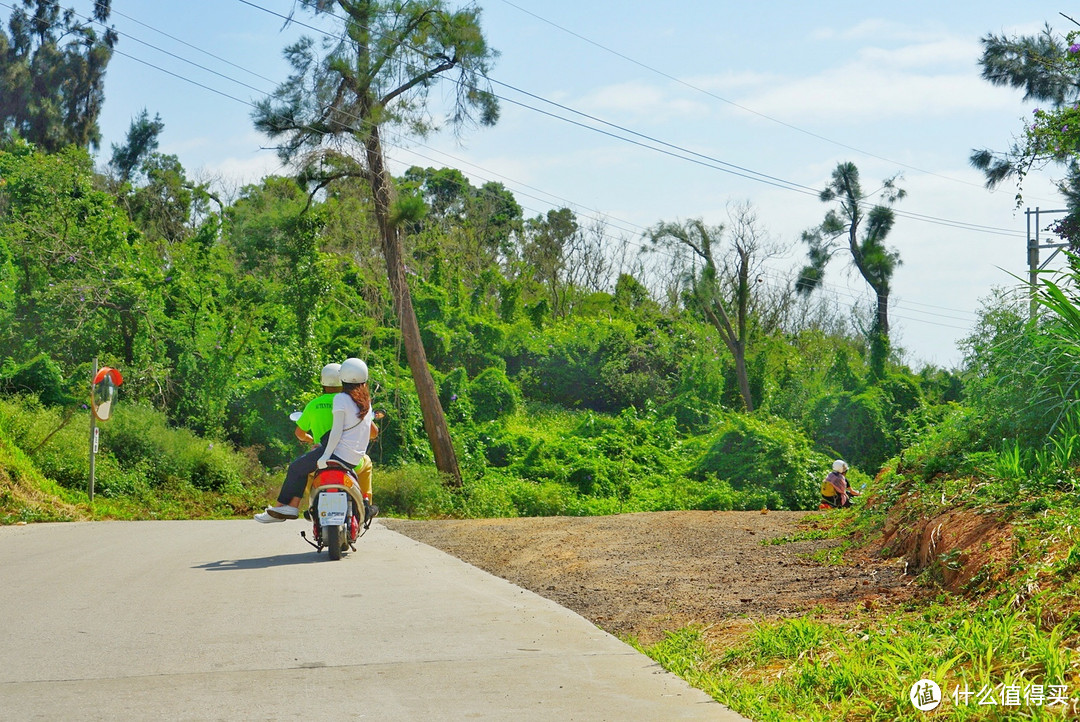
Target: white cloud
x,y
934,54
872,29
638,101
732,80
868,90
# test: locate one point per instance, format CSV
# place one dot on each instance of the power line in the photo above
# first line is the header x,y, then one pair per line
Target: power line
x,y
206,87
744,108
707,161
765,178
114,11
654,250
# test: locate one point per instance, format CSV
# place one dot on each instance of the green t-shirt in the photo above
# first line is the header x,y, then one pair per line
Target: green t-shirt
x,y
318,417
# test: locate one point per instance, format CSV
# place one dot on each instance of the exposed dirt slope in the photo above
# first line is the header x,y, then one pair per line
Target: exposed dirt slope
x,y
643,574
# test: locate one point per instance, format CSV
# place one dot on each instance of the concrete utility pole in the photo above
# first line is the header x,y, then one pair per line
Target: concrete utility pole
x,y
1033,246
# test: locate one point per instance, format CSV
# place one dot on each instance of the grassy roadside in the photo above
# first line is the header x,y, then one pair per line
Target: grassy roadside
x,y
863,665
145,470
997,625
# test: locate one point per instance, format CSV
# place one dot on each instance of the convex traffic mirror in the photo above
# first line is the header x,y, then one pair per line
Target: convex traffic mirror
x,y
105,383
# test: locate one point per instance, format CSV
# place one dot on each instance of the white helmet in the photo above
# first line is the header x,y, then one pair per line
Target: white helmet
x,y
331,375
353,371
840,465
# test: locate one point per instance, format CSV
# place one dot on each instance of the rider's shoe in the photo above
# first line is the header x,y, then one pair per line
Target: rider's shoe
x,y
277,513
370,512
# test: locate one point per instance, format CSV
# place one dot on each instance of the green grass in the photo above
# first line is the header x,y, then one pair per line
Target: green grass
x,y
856,667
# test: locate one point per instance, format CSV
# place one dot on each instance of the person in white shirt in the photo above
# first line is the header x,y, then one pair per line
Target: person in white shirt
x,y
353,428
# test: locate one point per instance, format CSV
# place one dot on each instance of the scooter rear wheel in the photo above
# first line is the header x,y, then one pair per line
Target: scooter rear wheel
x,y
333,540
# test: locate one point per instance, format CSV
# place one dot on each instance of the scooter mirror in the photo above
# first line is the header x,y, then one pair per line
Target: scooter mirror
x,y
295,416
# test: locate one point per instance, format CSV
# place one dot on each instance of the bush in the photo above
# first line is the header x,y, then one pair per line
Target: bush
x,y
770,462
411,490
39,376
854,425
138,437
493,395
454,397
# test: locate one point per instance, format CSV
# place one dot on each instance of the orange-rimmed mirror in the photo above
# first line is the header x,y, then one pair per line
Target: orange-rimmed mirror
x,y
105,384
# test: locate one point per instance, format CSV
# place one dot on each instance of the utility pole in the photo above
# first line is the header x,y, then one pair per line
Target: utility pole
x,y
1033,246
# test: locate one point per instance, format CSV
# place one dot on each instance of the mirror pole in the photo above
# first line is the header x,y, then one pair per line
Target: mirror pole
x,y
93,432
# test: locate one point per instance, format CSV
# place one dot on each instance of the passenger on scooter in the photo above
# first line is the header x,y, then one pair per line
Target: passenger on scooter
x,y
353,429
312,426
836,491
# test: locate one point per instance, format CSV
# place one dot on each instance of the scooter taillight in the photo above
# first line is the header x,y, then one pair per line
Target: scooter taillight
x,y
332,477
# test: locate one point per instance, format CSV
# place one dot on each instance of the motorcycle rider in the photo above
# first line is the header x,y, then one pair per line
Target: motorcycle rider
x,y
353,429
311,427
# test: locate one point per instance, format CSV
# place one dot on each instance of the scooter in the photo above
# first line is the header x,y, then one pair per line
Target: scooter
x,y
336,507
336,511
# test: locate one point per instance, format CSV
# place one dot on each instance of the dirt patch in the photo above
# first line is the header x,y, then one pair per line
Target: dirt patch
x,y
644,574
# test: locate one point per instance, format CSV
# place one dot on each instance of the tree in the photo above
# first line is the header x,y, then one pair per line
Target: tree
x,y
81,283
865,241
1047,67
722,290
52,74
546,252
142,142
330,113
474,226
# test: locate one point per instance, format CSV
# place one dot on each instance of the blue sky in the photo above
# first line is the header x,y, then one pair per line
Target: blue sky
x,y
783,89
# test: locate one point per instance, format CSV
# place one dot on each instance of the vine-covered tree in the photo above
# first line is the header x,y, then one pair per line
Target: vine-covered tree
x,y
724,288
52,73
863,234
330,113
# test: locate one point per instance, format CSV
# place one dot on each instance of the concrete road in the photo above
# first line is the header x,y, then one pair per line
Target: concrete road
x,y
237,620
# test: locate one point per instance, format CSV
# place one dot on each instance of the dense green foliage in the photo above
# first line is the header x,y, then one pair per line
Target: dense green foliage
x,y
562,397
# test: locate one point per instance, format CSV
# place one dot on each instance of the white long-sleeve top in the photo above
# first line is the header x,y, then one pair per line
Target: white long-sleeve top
x,y
350,434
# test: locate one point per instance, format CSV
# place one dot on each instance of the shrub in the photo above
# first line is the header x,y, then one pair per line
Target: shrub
x,y
503,448
137,434
454,397
493,395
854,426
769,462
411,490
39,376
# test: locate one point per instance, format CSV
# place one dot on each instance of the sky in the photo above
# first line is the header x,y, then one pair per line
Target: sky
x,y
770,96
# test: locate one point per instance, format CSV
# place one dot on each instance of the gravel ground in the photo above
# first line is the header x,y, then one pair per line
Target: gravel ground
x,y
640,575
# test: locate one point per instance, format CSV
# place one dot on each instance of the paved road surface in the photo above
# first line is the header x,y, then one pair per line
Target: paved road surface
x,y
236,620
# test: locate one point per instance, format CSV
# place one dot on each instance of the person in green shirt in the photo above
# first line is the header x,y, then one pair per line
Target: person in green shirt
x,y
311,427
318,416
